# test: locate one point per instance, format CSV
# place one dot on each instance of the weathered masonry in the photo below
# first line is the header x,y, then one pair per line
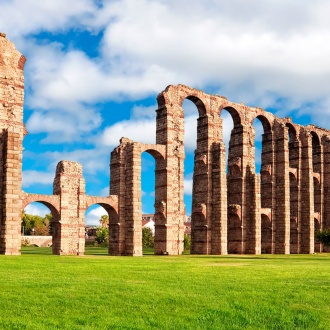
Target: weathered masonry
x,y
235,210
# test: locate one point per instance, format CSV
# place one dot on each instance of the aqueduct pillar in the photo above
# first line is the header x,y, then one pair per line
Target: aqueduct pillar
x,y
69,184
12,131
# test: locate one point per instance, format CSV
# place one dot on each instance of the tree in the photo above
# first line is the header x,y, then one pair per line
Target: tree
x,y
101,235
147,238
186,242
36,224
323,236
104,221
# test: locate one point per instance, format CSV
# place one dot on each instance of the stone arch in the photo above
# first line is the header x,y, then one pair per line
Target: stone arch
x,y
53,203
110,204
235,115
160,205
175,95
316,152
266,123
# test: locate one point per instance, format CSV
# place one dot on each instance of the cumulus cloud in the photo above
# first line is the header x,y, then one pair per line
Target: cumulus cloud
x,y
188,184
93,215
249,51
31,177
37,209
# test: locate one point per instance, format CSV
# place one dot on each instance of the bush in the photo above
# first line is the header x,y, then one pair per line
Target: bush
x,y
186,242
323,236
147,238
102,234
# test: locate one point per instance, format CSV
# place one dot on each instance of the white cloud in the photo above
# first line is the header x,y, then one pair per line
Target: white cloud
x,y
37,209
19,18
93,215
188,184
137,130
31,177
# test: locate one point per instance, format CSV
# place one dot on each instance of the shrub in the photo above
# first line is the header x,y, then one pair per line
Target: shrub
x,y
25,242
147,238
186,242
323,236
102,234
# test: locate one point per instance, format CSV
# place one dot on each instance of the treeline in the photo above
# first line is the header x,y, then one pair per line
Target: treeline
x,y
36,225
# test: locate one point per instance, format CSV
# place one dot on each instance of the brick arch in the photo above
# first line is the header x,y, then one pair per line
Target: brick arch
x,y
265,121
51,201
235,114
292,131
158,152
175,95
110,204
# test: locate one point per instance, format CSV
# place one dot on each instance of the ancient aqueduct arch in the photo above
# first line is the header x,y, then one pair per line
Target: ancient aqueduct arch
x,y
276,211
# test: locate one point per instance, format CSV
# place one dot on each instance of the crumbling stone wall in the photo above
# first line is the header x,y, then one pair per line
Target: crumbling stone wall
x,y
234,209
68,202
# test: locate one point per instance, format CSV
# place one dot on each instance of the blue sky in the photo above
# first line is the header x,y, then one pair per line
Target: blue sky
x,y
94,70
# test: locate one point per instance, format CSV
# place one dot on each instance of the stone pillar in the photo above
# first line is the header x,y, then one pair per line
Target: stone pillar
x,y
253,214
267,192
133,209
201,217
161,229
118,187
12,131
170,132
219,206
282,190
294,175
70,185
326,186
243,191
307,193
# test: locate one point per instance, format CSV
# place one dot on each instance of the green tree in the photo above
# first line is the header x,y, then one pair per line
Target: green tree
x,y
104,221
147,238
186,242
101,235
323,236
35,224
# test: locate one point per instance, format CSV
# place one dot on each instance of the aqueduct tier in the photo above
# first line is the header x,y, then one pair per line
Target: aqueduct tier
x,y
234,209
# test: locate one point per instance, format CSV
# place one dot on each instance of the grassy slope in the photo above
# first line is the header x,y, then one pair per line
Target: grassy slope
x,y
187,292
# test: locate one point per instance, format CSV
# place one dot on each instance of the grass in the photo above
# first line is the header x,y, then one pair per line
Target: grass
x,y
41,291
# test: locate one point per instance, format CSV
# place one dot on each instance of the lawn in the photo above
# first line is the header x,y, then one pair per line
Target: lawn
x,y
96,291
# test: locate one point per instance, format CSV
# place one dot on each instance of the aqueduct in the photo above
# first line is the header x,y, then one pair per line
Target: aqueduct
x,y
234,210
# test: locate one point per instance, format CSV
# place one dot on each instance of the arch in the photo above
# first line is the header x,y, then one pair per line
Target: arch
x,y
51,201
175,95
292,132
265,123
198,103
234,114
110,204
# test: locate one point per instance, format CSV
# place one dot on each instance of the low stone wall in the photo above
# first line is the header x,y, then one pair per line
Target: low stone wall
x,y
42,241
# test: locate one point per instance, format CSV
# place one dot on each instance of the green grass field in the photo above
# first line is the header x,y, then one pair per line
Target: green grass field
x,y
41,291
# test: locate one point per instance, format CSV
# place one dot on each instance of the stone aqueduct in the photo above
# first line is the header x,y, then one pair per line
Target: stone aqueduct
x,y
234,211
